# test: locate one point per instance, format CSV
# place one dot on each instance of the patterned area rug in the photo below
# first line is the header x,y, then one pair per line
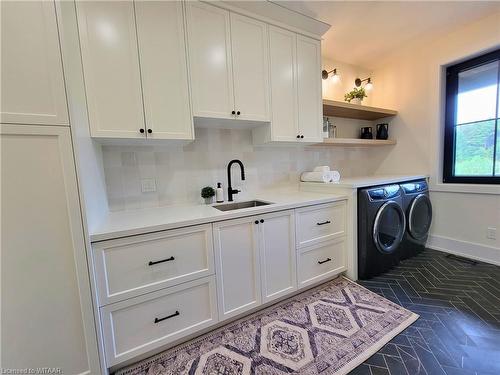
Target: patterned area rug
x,y
326,330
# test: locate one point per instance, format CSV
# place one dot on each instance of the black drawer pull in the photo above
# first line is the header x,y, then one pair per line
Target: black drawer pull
x,y
324,222
161,261
324,261
177,313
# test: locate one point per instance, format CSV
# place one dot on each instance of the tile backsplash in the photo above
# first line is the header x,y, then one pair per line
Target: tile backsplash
x,y
180,171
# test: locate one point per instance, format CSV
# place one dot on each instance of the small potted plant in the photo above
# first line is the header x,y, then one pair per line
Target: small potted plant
x,y
208,194
356,95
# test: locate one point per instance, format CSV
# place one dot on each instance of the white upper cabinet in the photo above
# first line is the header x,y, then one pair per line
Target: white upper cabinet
x,y
297,112
249,47
210,60
111,68
229,64
162,51
284,86
309,89
32,81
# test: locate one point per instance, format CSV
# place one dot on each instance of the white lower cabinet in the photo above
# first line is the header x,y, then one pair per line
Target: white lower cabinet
x,y
158,288
277,254
237,264
321,262
255,261
130,266
138,325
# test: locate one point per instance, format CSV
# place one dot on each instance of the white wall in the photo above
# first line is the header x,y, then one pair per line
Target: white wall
x,y
411,81
181,171
348,73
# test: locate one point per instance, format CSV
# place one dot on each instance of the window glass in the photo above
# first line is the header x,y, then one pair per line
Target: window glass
x,y
472,121
477,94
474,148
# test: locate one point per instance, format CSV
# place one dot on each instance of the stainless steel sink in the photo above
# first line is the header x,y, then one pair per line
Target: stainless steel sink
x,y
240,205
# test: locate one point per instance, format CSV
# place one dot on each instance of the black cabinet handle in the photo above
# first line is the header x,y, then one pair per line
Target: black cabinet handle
x,y
324,261
158,320
298,136
141,130
261,220
233,112
301,136
238,113
256,221
160,261
324,222
150,131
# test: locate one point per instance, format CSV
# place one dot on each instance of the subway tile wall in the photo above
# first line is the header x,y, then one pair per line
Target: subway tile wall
x,y
180,171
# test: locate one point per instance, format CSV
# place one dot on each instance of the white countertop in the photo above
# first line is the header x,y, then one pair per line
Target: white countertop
x,y
129,223
359,182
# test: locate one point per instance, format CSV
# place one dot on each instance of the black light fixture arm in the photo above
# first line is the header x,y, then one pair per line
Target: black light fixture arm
x,y
326,73
359,81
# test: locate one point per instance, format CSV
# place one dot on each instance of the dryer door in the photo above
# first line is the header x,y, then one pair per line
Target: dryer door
x,y
389,227
420,217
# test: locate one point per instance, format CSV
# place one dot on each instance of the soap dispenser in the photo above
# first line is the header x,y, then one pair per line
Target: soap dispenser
x,y
219,193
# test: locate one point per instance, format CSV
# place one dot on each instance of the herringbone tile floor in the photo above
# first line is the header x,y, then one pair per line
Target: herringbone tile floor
x,y
458,332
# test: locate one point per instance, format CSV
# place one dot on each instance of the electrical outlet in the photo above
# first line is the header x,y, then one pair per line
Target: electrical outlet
x,y
148,185
492,233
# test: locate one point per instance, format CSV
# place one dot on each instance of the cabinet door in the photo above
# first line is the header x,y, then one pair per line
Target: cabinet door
x,y
237,266
111,68
32,81
277,254
47,317
309,88
282,45
162,49
249,48
210,60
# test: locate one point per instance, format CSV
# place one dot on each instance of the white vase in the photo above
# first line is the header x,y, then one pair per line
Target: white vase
x,y
356,101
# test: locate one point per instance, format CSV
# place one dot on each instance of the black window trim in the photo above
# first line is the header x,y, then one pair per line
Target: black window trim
x,y
450,112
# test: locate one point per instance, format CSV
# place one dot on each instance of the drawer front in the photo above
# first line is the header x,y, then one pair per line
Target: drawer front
x,y
320,223
321,262
141,324
129,267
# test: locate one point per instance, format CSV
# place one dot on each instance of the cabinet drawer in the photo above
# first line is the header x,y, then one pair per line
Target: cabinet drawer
x,y
147,322
129,267
320,223
321,262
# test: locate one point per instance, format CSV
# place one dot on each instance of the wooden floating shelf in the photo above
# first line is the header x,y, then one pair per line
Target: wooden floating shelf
x,y
356,142
335,108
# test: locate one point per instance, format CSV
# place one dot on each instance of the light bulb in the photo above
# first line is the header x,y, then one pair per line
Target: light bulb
x,y
368,86
335,78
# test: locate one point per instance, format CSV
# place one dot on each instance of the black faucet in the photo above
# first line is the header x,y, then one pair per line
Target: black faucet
x,y
230,190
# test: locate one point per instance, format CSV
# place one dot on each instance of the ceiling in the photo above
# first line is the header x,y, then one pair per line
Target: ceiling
x,y
363,32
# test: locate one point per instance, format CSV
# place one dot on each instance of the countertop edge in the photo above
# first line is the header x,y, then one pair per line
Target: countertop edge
x,y
356,185
229,215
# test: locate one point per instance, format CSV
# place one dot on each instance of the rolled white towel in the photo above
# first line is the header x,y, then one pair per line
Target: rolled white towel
x,y
335,176
321,168
316,177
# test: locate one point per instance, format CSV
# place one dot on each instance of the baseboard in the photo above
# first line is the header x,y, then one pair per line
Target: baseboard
x,y
483,253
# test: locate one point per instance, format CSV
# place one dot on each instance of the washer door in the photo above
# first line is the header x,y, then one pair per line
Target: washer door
x,y
389,227
420,217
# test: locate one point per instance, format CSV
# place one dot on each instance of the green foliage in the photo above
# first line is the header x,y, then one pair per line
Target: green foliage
x,y
474,149
207,192
356,93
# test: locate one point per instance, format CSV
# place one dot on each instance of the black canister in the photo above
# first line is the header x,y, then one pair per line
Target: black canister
x,y
366,132
383,131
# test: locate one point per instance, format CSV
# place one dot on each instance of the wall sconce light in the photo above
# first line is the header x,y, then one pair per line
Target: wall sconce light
x,y
335,76
368,85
